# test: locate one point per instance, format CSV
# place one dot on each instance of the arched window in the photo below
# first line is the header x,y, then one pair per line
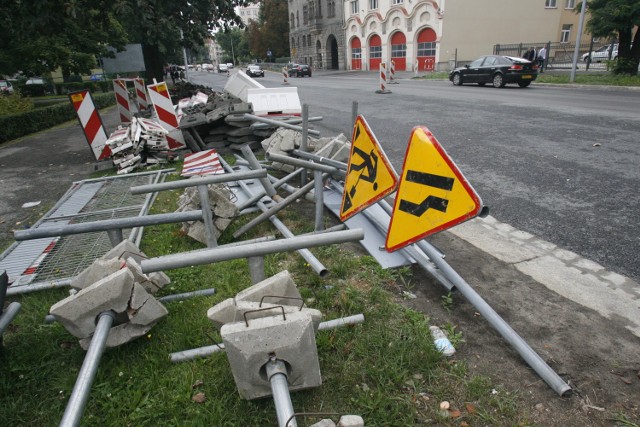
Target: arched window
x,y
319,8
297,18
293,21
305,14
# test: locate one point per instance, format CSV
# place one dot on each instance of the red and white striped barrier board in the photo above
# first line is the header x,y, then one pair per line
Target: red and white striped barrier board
x,y
35,264
122,99
285,75
383,79
202,163
392,72
161,100
141,94
91,123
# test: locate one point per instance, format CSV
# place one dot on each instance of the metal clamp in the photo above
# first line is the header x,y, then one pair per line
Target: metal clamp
x,y
282,297
263,309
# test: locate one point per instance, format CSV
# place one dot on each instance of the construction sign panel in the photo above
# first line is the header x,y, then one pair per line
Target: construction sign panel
x,y
91,123
433,195
370,176
163,106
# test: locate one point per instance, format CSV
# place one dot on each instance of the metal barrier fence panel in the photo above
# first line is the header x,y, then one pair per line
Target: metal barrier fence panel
x,y
559,55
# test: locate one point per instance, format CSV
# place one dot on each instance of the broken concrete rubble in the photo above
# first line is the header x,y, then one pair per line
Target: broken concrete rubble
x,y
222,207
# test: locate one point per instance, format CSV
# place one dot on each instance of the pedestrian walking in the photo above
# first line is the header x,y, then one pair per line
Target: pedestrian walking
x,y
542,57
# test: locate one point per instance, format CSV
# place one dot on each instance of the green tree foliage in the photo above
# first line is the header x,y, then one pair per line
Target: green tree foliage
x,y
271,32
235,45
620,19
40,36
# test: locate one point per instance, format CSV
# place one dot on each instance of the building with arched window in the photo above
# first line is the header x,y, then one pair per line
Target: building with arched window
x,y
316,34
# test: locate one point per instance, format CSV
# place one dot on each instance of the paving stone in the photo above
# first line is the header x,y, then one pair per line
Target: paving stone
x,y
351,421
324,423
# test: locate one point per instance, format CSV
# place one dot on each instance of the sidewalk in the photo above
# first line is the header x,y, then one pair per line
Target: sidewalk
x,y
40,168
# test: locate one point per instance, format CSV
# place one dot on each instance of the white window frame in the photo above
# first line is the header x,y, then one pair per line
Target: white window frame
x,y
354,7
396,2
356,53
565,36
570,4
550,4
373,4
375,52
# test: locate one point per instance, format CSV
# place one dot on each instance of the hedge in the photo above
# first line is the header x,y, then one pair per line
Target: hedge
x,y
14,126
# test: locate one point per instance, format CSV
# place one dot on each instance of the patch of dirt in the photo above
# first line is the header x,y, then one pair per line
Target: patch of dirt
x,y
597,357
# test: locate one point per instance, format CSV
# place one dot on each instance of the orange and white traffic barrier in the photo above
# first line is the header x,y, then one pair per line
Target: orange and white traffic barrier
x,y
141,94
91,123
285,76
383,79
161,100
122,99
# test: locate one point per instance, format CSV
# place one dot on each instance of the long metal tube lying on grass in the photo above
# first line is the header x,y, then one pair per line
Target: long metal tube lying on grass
x,y
202,352
82,388
209,256
105,225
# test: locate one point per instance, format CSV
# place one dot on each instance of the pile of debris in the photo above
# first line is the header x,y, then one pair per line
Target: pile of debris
x,y
141,142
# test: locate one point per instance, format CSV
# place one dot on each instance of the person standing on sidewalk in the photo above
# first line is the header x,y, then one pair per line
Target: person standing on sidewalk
x,y
542,57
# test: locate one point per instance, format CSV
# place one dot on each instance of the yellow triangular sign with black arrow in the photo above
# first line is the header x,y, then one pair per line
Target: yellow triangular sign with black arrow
x,y
370,176
433,195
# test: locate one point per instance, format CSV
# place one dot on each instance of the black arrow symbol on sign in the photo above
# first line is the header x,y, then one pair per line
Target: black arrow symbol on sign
x,y
431,202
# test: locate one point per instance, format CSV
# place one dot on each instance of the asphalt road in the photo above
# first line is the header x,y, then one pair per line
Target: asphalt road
x,y
561,163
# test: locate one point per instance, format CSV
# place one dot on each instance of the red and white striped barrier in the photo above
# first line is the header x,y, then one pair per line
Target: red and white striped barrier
x,y
122,99
285,76
383,79
161,100
91,123
141,94
205,162
392,73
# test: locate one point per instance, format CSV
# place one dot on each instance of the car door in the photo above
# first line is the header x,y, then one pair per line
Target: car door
x,y
470,75
486,70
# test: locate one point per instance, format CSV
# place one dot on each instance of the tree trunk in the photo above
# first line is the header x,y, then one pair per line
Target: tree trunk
x,y
154,63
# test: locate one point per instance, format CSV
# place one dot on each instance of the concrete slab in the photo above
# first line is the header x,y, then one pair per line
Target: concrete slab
x,y
280,284
249,349
230,311
99,269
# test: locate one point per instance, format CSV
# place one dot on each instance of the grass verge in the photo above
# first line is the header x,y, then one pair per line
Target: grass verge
x,y
386,369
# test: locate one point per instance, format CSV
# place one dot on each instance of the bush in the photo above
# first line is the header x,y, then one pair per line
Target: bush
x,y
12,104
14,126
65,88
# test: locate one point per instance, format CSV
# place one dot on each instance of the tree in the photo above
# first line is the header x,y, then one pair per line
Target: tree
x,y
271,32
618,18
234,44
39,37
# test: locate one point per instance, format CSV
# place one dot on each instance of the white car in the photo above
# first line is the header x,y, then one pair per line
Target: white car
x,y
207,67
602,54
6,87
222,68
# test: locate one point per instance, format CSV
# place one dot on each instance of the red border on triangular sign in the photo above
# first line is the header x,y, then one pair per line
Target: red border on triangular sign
x,y
456,171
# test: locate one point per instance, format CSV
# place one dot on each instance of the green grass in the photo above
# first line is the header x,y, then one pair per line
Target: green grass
x,y
386,369
563,78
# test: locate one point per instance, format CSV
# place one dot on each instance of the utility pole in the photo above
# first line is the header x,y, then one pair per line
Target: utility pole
x,y
576,51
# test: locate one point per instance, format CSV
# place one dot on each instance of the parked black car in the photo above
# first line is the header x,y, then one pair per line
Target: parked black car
x,y
497,70
300,70
254,70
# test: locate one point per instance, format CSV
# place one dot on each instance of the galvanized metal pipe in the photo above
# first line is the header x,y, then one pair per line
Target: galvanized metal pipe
x,y
261,193
135,235
354,113
8,315
107,224
187,295
526,352
25,289
209,256
313,262
82,388
319,196
320,159
129,175
115,236
343,321
207,217
193,182
302,163
255,165
273,210
279,124
202,352
277,375
304,142
292,121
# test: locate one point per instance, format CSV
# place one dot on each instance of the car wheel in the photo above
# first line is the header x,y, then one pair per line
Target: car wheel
x,y
457,79
481,84
524,84
498,80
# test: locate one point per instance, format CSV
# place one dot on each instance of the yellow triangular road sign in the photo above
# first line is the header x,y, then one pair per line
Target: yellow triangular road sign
x,y
433,195
370,176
